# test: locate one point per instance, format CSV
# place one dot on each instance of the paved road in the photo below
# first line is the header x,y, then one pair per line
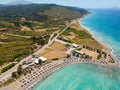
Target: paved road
x,y
7,74
17,35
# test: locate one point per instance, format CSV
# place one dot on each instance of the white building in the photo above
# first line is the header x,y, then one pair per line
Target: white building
x,y
36,60
75,45
79,52
43,59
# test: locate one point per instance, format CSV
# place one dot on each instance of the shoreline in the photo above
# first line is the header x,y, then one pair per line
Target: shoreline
x,y
106,46
62,65
33,83
102,44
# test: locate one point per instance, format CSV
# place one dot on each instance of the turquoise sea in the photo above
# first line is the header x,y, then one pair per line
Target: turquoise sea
x,y
105,25
82,77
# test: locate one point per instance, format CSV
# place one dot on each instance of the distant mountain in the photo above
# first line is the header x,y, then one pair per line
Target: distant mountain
x,y
1,5
19,2
45,13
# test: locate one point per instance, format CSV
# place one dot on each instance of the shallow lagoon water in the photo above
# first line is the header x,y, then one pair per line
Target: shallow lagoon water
x,y
82,77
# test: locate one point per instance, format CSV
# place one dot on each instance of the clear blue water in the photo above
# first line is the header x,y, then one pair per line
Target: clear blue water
x,y
105,25
82,77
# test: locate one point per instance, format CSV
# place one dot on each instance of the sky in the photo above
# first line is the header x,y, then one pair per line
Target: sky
x,y
78,3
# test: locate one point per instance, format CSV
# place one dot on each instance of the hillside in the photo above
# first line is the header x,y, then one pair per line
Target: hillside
x,y
31,23
40,12
1,5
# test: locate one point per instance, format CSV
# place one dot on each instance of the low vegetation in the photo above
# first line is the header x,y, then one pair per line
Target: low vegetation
x,y
58,46
79,34
41,40
100,53
15,49
33,17
20,71
49,14
81,37
7,67
7,82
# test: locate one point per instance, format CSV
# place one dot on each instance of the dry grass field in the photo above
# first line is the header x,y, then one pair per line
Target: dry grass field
x,y
90,53
52,54
59,46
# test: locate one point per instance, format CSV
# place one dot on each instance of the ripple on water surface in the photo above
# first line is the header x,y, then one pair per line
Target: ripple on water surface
x,y
82,77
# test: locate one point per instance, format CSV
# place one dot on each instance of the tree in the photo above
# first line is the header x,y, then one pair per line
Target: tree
x,y
41,42
68,56
86,56
34,39
24,63
99,56
40,61
74,53
19,70
83,46
98,51
78,54
105,54
7,67
14,74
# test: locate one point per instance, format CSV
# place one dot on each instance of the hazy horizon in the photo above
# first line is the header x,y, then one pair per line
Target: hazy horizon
x,y
76,3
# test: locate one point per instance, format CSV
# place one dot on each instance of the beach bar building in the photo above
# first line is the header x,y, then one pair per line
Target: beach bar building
x,y
75,45
36,61
43,59
40,60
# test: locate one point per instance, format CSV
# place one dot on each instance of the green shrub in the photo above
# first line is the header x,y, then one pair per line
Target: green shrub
x,y
7,67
